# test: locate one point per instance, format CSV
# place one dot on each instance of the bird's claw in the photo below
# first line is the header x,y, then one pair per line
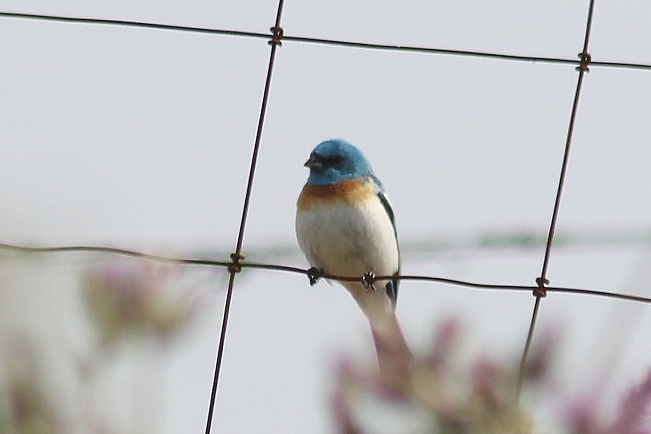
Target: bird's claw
x,y
369,280
314,274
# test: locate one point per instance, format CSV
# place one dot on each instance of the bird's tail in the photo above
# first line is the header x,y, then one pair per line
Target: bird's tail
x,y
393,353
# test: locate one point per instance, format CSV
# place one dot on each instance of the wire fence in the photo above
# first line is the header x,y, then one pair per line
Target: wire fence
x,y
237,261
325,41
308,272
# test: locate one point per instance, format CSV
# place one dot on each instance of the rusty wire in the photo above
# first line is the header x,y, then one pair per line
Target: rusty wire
x,y
236,257
236,264
541,291
298,270
324,41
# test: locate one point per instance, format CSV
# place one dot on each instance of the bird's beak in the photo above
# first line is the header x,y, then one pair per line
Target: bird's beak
x,y
313,163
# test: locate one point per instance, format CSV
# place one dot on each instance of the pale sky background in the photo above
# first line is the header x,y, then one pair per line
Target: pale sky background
x,y
142,138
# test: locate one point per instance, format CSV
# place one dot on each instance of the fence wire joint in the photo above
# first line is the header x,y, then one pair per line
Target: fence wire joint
x,y
586,59
540,291
277,34
235,266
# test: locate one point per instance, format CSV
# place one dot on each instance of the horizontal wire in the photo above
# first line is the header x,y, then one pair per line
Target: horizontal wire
x,y
325,41
114,251
299,270
139,24
465,53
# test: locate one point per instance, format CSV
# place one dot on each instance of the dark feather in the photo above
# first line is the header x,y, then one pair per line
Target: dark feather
x,y
392,286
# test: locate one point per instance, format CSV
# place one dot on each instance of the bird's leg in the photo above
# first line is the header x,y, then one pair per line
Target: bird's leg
x,y
369,280
314,274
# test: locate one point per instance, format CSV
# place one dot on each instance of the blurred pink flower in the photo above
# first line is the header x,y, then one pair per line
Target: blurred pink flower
x,y
431,395
635,415
441,393
127,298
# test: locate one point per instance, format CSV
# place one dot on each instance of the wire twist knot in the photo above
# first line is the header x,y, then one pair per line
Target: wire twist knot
x,y
586,58
235,266
277,34
540,291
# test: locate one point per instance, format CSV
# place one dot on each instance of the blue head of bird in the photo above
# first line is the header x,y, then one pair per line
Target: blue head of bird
x,y
336,160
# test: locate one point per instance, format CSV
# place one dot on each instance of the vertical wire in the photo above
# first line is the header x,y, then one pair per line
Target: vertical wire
x,y
542,280
237,255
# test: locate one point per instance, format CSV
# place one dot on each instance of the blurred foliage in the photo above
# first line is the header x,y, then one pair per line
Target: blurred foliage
x,y
439,393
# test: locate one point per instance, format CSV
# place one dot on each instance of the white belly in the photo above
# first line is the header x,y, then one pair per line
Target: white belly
x,y
348,241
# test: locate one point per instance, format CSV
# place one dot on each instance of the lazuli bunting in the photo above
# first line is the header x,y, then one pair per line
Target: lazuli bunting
x,y
345,226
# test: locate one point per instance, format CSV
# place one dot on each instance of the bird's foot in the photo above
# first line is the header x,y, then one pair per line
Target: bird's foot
x,y
369,280
314,274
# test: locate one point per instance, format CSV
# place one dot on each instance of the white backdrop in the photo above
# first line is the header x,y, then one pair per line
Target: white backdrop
x,y
142,138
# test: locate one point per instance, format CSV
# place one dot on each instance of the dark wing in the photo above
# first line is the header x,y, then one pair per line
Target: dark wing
x,y
392,286
388,209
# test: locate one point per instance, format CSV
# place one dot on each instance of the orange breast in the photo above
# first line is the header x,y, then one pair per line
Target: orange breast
x,y
350,191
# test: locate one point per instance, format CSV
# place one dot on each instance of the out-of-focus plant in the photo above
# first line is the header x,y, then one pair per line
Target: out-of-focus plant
x,y
634,414
24,408
430,395
134,302
128,299
440,392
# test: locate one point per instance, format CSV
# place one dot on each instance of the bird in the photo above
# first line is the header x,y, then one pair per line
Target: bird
x,y
345,226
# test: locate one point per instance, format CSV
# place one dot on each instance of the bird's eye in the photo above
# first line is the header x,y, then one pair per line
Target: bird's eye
x,y
335,160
